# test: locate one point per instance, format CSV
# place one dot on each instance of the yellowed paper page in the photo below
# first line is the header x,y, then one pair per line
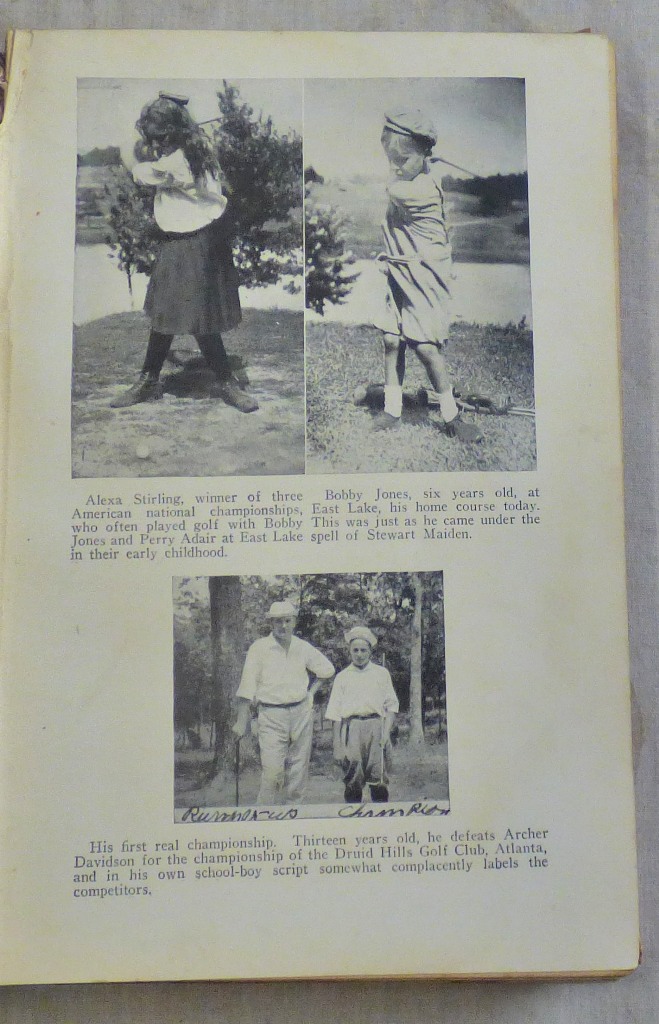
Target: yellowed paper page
x,y
423,634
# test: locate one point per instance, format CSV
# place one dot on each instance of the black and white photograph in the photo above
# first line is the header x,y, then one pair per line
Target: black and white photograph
x,y
309,696
188,349
419,343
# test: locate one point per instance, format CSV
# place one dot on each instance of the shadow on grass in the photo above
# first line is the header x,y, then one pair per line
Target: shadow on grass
x,y
483,359
190,432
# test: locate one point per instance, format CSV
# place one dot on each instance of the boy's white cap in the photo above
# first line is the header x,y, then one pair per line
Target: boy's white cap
x,y
282,610
361,633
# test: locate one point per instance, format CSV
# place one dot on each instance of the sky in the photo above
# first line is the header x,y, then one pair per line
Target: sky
x,y
481,122
109,107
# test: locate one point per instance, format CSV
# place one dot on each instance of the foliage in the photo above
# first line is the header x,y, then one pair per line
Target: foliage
x,y
312,175
522,227
474,238
262,176
193,692
329,604
131,218
328,274
109,156
498,193
262,170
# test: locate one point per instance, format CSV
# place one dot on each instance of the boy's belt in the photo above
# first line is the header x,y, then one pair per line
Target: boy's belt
x,y
291,704
427,260
345,723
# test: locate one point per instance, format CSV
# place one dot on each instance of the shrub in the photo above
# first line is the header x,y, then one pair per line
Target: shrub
x,y
328,262
133,243
311,175
522,227
262,171
262,175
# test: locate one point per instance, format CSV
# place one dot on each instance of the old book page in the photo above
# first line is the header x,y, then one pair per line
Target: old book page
x,y
314,612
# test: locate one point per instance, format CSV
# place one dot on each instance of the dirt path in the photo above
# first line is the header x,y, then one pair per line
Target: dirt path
x,y
419,773
188,433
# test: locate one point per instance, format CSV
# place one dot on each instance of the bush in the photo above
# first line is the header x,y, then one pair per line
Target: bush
x,y
262,176
133,244
311,176
262,171
328,262
522,227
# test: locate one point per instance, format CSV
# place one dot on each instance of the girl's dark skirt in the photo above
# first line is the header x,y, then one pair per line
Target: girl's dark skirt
x,y
193,287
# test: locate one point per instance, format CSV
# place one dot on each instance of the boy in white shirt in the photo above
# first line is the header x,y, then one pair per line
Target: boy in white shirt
x,y
363,706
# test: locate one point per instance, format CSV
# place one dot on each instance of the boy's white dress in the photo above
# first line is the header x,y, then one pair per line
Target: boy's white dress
x,y
418,259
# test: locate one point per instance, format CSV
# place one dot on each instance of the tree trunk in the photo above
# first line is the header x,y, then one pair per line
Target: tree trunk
x,y
227,658
416,696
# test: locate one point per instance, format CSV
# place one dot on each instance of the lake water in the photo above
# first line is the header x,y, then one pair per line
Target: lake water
x,y
487,293
483,292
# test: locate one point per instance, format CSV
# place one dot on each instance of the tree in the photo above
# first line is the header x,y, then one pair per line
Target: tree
x,y
193,687
262,169
216,620
226,622
497,193
416,690
312,175
262,175
133,243
328,261
110,156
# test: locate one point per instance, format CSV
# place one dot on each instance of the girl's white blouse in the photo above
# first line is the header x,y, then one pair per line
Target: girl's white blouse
x,y
182,203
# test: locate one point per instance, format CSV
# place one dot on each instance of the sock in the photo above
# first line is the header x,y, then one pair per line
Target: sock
x,y
393,400
213,351
156,353
447,405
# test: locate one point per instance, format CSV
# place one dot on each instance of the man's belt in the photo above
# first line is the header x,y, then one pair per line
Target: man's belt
x,y
291,704
362,718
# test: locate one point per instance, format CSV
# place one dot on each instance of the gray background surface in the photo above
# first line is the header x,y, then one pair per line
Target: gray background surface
x,y
633,27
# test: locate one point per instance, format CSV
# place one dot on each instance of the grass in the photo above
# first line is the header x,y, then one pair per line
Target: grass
x,y
418,773
188,433
494,361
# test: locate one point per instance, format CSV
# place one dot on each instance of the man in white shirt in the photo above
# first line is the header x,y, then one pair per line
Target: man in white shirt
x,y
276,679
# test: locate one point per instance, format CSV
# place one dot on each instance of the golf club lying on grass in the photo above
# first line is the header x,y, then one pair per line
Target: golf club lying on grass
x,y
372,395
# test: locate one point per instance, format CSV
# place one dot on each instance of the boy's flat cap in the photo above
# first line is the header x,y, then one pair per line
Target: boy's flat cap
x,y
410,122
